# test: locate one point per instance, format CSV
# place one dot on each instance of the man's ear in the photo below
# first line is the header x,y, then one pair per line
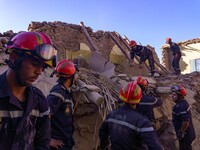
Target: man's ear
x,y
13,56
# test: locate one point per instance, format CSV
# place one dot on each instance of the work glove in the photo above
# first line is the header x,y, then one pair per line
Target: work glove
x,y
180,135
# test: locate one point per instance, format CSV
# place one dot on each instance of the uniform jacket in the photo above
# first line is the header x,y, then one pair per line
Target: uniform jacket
x,y
23,129
175,48
146,106
126,129
61,106
141,51
181,112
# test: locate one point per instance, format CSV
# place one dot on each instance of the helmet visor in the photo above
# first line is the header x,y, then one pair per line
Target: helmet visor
x,y
46,51
175,88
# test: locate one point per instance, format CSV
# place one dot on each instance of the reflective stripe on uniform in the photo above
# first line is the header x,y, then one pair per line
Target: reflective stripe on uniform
x,y
123,123
140,51
16,113
36,113
149,103
182,112
61,97
11,114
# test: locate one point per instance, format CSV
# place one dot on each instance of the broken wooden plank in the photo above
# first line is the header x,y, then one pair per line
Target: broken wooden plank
x,y
162,67
94,47
120,47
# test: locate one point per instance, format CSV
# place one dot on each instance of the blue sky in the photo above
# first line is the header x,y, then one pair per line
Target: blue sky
x,y
145,21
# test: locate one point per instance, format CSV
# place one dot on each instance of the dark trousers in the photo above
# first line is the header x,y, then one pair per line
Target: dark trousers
x,y
148,55
65,147
175,62
185,144
151,62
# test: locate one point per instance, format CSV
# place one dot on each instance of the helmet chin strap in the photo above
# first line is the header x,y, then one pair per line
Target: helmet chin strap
x,y
15,67
72,79
62,80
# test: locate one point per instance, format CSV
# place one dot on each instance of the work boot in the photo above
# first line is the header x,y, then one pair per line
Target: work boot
x,y
152,73
177,72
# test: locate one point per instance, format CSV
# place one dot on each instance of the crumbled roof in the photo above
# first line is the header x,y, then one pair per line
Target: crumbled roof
x,y
187,42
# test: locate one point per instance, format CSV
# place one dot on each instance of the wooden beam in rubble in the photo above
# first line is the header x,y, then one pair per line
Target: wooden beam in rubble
x,y
94,47
120,47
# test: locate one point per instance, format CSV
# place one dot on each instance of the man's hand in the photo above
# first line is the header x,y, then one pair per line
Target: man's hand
x,y
56,143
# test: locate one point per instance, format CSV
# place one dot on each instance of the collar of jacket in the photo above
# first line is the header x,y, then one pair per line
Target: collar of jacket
x,y
4,92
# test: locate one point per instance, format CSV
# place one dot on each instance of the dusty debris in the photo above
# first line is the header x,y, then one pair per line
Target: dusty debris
x,y
89,115
99,93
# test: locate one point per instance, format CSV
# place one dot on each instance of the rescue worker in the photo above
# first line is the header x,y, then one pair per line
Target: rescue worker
x,y
61,106
144,53
176,55
147,103
24,112
182,119
125,128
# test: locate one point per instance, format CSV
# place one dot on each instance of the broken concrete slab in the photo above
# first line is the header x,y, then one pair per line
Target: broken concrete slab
x,y
99,64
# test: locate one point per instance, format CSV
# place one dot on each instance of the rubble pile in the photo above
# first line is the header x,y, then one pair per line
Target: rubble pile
x,y
91,109
69,36
95,95
3,56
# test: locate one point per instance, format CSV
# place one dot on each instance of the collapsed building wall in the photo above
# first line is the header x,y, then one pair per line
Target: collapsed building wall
x,y
167,57
68,37
87,115
154,54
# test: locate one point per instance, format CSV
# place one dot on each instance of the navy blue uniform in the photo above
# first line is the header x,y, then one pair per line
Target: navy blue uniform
x,y
144,53
146,106
26,126
176,56
61,106
181,112
126,129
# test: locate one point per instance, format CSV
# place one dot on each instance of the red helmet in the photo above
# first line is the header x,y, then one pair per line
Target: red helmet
x,y
141,81
36,44
179,89
168,40
131,93
132,43
65,68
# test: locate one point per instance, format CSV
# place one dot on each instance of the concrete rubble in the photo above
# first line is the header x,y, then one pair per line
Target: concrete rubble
x,y
96,94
